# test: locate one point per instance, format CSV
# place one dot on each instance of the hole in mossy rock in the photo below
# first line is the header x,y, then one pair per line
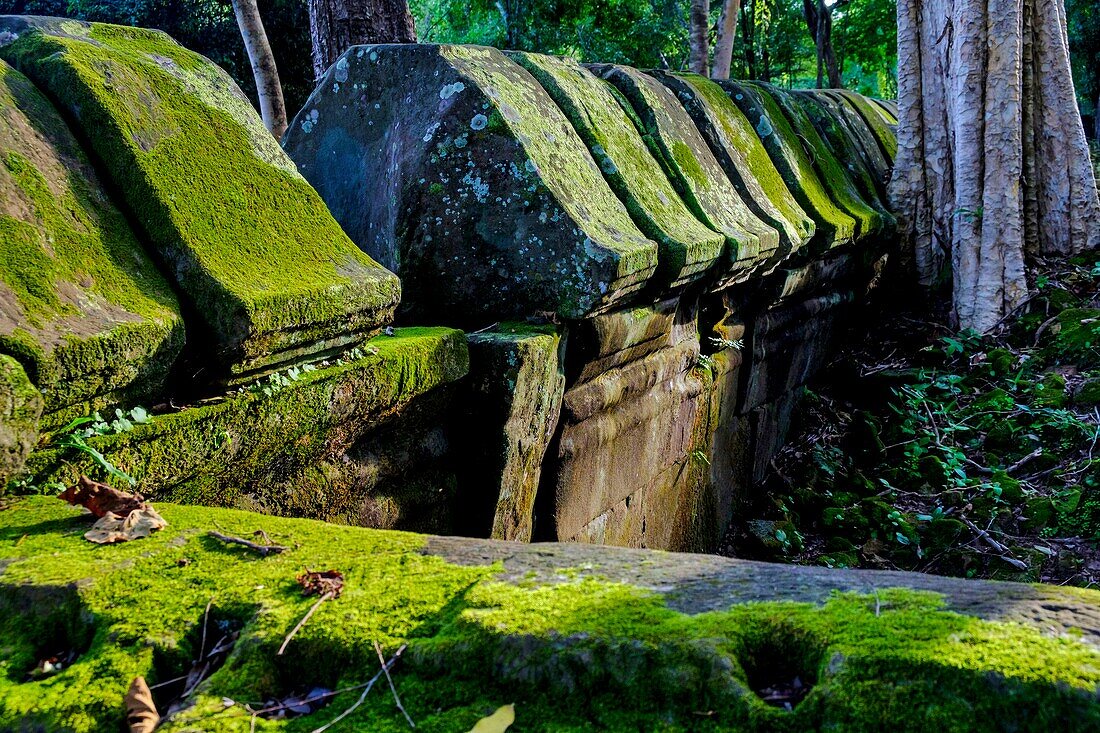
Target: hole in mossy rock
x,y
45,629
178,671
781,665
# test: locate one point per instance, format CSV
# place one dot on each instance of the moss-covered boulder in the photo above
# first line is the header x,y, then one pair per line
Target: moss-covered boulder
x,y
742,156
578,638
294,442
835,227
82,306
673,139
20,409
451,165
607,125
243,236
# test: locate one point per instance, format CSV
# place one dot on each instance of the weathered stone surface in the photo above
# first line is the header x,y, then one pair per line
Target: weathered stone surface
x,y
872,219
742,156
20,409
279,444
510,415
81,304
476,190
850,138
834,227
674,140
577,637
688,246
882,122
241,233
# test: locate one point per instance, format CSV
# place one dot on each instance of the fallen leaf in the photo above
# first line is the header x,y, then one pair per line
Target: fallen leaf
x,y
498,722
141,713
315,583
139,523
101,499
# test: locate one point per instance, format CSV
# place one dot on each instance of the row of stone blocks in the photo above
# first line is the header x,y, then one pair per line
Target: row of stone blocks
x,y
650,266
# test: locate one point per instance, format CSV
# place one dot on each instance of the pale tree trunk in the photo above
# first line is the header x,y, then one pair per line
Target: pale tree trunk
x,y
992,161
727,33
700,43
268,88
335,25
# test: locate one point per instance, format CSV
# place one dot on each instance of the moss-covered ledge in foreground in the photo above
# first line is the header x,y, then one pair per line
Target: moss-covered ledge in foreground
x,y
552,628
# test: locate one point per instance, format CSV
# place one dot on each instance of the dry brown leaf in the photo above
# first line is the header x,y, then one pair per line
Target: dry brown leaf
x,y
318,583
139,523
498,722
100,499
141,712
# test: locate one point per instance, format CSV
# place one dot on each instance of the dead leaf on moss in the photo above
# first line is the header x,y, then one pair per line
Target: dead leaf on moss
x,y
141,712
136,525
101,499
319,583
498,722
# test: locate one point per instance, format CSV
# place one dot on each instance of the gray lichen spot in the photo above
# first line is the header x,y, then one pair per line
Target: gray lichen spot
x,y
479,122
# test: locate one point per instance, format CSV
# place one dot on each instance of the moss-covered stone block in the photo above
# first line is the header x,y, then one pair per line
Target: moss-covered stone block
x,y
577,637
265,446
451,165
882,122
20,409
674,140
246,240
688,246
835,227
742,156
509,416
82,306
847,133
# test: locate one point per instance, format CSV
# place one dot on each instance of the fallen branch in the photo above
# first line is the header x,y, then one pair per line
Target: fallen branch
x,y
1025,460
302,623
263,550
1004,551
366,690
396,699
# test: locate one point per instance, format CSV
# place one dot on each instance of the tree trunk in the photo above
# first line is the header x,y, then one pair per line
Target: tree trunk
x,y
727,33
268,88
992,163
335,25
1096,119
748,35
700,44
819,21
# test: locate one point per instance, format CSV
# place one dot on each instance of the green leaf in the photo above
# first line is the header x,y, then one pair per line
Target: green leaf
x,y
901,538
498,722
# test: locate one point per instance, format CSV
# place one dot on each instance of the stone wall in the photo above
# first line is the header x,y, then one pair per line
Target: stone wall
x,y
649,267
692,251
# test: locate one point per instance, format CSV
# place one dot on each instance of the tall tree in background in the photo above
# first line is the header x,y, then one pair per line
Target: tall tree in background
x,y
819,19
992,163
335,25
727,34
700,36
266,74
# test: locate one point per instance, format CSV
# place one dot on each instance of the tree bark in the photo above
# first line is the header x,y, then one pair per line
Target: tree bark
x,y
727,33
819,20
993,165
335,25
748,35
700,44
264,71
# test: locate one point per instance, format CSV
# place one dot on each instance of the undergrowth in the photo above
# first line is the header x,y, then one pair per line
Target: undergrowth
x,y
951,453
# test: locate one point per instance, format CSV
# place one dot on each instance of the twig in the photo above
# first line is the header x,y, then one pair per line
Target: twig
x,y
205,623
302,623
396,699
487,328
1004,552
1026,459
263,550
878,603
366,690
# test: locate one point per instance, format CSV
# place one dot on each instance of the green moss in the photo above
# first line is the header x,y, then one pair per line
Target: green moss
x,y
574,653
20,409
1074,338
247,239
253,446
688,247
696,174
742,156
92,319
875,118
835,227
